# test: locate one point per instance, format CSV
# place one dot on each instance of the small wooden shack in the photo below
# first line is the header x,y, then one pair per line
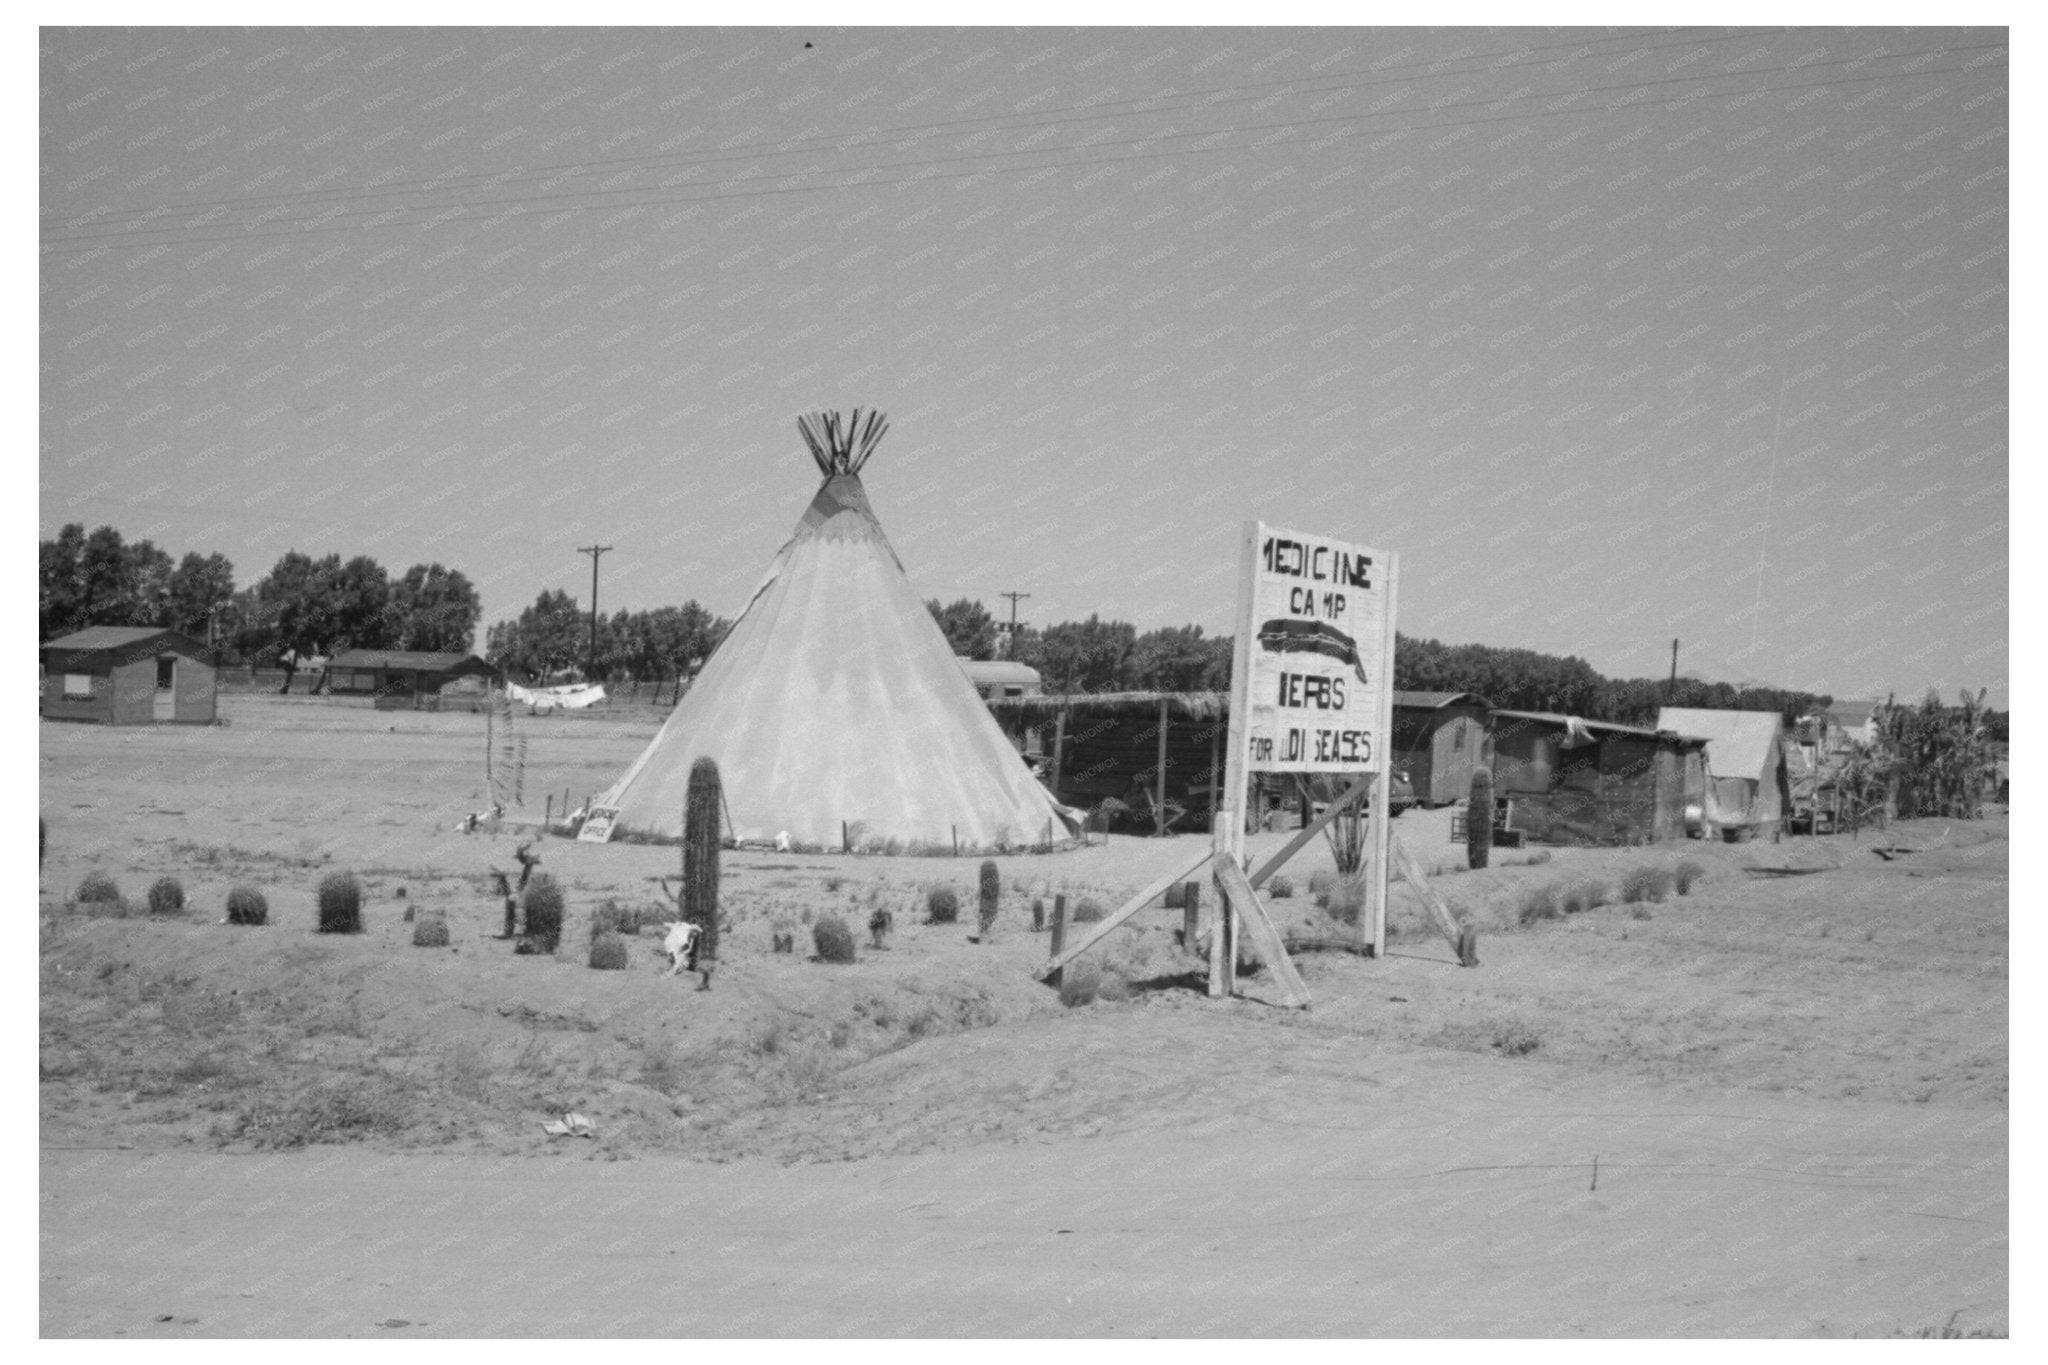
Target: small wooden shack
x,y
1440,740
129,675
1577,781
407,680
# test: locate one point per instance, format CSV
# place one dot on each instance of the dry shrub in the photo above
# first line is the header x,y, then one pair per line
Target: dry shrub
x,y
1538,902
1080,983
1582,896
1645,884
1345,900
941,905
1319,883
608,952
612,918
167,896
1280,888
247,906
1686,875
1088,911
1515,1039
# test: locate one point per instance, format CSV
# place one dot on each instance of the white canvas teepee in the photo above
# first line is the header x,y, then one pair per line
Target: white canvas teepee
x,y
835,707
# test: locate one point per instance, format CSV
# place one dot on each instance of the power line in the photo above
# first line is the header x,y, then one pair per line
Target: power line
x,y
864,179
915,132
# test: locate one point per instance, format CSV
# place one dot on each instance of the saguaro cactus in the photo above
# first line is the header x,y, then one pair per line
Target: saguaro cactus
x,y
700,854
1479,818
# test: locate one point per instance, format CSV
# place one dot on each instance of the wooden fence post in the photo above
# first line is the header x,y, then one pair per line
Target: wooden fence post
x,y
1191,914
1059,930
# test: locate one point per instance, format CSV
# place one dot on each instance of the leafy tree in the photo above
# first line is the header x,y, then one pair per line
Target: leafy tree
x,y
106,580
149,575
968,626
548,637
298,602
60,575
434,609
1177,659
198,588
361,592
1081,656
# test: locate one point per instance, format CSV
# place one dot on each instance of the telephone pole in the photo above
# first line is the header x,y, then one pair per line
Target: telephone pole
x,y
596,552
1671,688
1010,649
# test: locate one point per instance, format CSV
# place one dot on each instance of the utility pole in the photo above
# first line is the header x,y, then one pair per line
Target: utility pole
x,y
1671,688
596,552
1011,648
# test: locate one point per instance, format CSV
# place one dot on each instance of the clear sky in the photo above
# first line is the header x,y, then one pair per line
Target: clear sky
x,y
1617,335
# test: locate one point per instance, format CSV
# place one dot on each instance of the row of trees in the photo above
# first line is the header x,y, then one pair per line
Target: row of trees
x,y
552,638
102,580
1094,655
302,607
1111,656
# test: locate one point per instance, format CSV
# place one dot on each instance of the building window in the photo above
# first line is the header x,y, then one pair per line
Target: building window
x,y
166,674
78,685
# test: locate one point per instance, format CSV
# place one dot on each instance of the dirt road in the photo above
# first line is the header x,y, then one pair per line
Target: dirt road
x,y
1451,1208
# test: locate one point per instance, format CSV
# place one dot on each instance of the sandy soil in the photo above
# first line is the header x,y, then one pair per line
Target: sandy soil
x,y
1793,1079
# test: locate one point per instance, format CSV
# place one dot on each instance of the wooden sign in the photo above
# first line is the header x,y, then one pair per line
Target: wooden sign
x,y
1317,647
597,825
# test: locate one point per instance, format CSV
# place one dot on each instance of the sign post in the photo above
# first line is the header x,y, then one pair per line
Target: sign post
x,y
1311,684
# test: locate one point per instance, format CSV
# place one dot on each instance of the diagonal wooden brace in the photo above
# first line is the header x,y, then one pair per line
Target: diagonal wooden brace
x,y
1355,792
1265,936
1464,941
1096,932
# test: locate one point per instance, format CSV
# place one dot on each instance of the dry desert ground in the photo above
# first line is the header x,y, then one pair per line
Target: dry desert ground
x,y
1774,1106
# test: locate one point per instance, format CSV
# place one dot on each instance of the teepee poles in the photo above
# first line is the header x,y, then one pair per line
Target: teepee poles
x,y
841,449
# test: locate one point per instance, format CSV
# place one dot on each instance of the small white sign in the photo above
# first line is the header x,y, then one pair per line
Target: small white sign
x,y
597,825
1318,652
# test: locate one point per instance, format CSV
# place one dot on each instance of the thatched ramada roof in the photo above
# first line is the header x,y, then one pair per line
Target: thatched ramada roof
x,y
1042,710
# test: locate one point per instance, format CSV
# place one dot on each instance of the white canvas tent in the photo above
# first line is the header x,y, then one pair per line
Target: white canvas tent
x,y
1748,782
835,708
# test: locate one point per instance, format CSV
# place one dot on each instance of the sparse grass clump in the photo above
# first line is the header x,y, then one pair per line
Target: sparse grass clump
x,y
247,906
612,918
1345,900
98,889
941,906
430,929
1080,983
1538,903
1515,1039
1580,897
166,896
1280,888
608,952
833,940
1088,911
1645,884
1686,875
1319,883
543,908
341,904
